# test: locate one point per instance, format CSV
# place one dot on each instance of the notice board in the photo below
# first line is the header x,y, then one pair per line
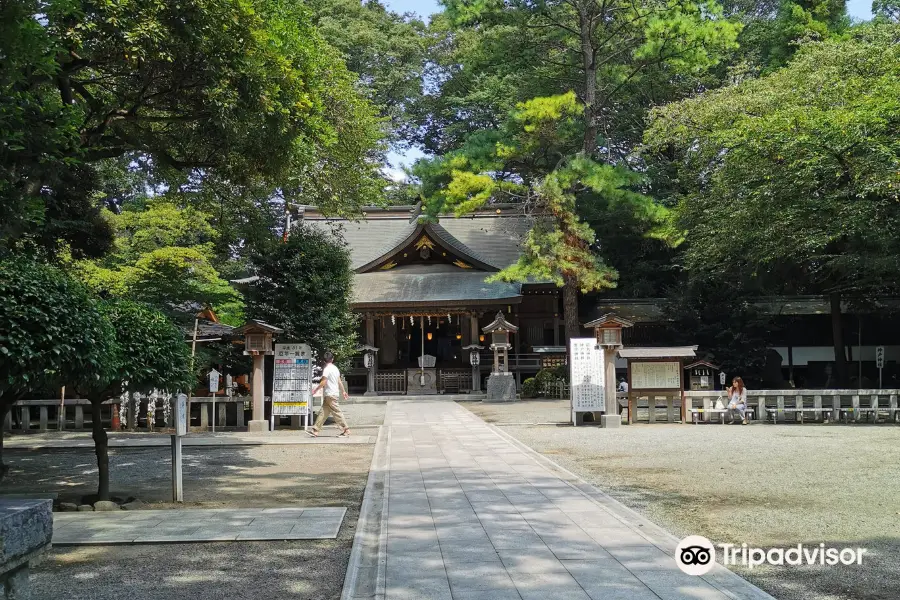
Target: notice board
x,y
655,375
587,378
293,375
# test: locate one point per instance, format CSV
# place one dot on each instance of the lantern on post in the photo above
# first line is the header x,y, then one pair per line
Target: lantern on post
x,y
608,333
475,361
501,384
369,361
258,342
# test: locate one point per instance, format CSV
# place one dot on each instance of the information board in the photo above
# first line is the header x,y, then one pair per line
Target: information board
x,y
586,375
655,375
291,384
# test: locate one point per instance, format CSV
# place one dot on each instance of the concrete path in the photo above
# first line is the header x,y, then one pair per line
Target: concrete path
x,y
472,514
196,525
40,441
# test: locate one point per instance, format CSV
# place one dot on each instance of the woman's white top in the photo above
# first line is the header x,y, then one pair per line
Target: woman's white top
x,y
739,397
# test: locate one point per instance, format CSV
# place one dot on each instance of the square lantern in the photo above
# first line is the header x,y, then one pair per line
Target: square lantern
x,y
258,337
608,330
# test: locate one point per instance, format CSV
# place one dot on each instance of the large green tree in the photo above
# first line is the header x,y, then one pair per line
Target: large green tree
x,y
243,91
795,174
617,57
148,352
164,255
52,333
304,286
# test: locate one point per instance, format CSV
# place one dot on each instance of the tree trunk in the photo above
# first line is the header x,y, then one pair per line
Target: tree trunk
x,y
570,308
4,409
589,64
837,337
101,448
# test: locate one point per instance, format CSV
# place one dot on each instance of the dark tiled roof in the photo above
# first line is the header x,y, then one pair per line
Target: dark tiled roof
x,y
493,240
412,287
367,240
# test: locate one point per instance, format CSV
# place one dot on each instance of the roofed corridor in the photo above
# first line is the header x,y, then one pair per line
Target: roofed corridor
x,y
472,515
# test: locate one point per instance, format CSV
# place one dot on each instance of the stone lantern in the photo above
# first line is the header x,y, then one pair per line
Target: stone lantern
x,y
258,337
501,384
369,362
608,332
475,361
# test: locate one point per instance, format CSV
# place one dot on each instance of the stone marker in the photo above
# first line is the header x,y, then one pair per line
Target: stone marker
x,y
105,506
26,528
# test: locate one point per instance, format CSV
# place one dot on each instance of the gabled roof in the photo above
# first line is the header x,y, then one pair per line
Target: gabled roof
x,y
257,326
499,324
491,241
609,319
666,352
418,286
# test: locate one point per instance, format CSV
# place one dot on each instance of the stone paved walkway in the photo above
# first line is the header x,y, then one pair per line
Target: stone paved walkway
x,y
471,515
196,525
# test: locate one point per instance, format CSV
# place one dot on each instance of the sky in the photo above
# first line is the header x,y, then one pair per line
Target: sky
x,y
859,9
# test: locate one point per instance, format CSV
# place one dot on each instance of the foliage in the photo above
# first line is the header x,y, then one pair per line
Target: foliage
x,y
52,332
888,10
152,350
163,256
546,376
798,167
304,287
716,315
619,56
243,91
386,50
507,165
530,388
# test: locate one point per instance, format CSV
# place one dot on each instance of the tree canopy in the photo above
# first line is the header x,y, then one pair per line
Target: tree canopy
x,y
305,288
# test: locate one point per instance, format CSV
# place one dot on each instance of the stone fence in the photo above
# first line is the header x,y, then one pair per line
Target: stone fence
x,y
793,405
71,415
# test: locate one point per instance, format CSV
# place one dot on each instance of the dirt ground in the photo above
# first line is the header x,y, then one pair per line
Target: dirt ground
x,y
214,477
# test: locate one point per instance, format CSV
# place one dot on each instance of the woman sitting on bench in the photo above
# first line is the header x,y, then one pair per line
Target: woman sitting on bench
x,y
737,400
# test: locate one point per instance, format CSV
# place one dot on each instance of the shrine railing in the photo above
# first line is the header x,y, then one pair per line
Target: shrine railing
x,y
455,380
390,382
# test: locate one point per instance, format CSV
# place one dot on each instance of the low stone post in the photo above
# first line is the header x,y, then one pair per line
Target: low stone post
x,y
26,528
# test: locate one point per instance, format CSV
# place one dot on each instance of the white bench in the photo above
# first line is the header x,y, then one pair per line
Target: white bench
x,y
696,412
774,410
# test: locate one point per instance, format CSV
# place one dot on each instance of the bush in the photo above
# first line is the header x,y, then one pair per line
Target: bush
x,y
545,377
530,388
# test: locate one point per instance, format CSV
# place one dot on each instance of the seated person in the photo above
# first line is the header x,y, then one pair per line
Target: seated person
x,y
737,400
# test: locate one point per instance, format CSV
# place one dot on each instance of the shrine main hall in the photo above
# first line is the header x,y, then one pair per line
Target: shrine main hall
x,y
420,289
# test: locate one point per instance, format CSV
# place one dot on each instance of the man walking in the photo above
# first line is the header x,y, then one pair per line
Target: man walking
x,y
331,381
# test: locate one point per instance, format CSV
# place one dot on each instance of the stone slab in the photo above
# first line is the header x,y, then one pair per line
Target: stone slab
x,y
198,525
26,527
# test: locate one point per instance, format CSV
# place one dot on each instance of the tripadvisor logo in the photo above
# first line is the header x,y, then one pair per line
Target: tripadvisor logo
x,y
696,555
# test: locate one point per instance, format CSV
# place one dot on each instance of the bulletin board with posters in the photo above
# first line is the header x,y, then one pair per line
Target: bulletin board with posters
x,y
292,380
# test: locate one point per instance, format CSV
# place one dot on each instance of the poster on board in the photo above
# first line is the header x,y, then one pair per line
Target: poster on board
x,y
655,375
291,383
586,376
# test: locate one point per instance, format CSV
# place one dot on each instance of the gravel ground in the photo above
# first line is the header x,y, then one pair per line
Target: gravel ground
x,y
248,476
522,411
768,486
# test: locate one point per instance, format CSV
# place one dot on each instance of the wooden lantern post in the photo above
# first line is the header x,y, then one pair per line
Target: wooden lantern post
x,y
608,332
258,343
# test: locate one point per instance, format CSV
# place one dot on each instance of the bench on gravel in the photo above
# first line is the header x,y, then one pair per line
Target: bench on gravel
x,y
774,410
696,413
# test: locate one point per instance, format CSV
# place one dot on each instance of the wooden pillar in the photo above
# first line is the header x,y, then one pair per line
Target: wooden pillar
x,y
476,369
370,341
258,419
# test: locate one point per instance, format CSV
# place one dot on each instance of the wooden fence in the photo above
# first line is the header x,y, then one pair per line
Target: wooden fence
x,y
794,405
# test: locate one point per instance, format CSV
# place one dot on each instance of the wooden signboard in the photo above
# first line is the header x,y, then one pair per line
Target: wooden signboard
x,y
656,375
